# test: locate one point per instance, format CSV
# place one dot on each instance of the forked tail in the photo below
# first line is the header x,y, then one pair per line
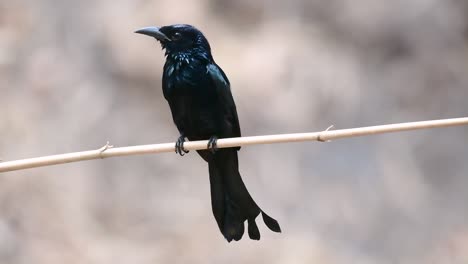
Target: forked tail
x,y
231,202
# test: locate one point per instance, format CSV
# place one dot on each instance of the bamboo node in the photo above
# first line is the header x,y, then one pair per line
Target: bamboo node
x,y
104,148
319,137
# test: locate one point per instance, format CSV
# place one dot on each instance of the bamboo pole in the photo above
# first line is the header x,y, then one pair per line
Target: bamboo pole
x,y
109,151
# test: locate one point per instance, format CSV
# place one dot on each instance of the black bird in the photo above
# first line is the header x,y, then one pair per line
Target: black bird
x,y
202,106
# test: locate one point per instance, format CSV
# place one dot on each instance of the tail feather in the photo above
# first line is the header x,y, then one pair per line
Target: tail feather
x,y
233,231
271,223
254,233
231,203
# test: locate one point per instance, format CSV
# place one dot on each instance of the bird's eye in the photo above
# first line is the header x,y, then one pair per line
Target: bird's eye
x,y
176,36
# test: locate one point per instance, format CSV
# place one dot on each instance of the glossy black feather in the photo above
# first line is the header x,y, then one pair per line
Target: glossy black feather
x,y
202,106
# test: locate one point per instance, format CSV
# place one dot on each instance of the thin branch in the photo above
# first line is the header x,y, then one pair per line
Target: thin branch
x,y
108,151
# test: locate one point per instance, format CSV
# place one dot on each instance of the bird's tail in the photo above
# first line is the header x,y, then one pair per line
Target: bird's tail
x,y
231,203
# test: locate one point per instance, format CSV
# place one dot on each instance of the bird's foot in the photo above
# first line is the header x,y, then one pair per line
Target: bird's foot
x,y
179,146
212,145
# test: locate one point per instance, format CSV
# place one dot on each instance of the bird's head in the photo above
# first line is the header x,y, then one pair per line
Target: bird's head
x,y
179,39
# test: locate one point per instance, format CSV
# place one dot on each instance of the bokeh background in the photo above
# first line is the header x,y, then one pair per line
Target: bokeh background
x,y
73,75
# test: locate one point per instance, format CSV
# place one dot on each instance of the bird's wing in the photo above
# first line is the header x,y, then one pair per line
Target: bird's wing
x,y
223,89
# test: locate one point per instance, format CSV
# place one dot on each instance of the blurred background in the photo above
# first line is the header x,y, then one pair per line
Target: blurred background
x,y
73,75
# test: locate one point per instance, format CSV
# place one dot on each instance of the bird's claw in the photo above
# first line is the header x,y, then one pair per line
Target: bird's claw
x,y
179,146
212,144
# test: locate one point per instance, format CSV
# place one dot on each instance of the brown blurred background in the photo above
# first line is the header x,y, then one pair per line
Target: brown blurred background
x,y
73,75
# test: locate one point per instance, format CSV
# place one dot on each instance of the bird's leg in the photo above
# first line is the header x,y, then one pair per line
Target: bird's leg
x,y
179,146
212,145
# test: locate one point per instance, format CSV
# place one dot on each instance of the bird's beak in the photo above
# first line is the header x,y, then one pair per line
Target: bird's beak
x,y
153,32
